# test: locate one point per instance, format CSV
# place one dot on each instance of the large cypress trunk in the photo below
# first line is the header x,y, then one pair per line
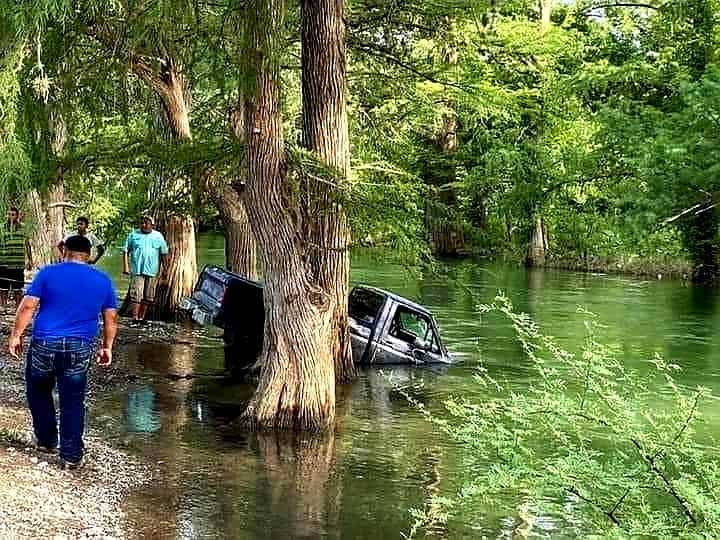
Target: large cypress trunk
x,y
297,383
180,272
240,249
178,226
325,133
537,248
41,239
240,245
545,12
47,206
47,221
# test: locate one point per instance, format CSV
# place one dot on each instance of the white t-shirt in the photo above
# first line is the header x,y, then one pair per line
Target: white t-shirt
x,y
94,240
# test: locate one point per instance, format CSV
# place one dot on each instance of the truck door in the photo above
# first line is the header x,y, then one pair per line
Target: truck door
x,y
409,339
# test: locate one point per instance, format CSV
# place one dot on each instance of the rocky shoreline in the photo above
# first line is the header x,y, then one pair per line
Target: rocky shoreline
x,y
37,498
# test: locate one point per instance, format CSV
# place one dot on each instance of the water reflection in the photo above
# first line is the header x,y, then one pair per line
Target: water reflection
x,y
214,479
298,469
143,415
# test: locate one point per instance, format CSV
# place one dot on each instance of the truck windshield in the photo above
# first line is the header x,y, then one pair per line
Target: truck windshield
x,y
364,306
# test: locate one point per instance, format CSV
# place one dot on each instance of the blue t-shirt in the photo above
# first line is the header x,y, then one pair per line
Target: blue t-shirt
x,y
72,296
144,250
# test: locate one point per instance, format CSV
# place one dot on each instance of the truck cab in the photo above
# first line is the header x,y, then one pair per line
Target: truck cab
x,y
384,328
388,329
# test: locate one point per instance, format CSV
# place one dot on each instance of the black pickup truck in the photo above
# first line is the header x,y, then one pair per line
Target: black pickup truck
x,y
384,328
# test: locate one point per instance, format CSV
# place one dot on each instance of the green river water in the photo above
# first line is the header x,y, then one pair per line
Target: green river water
x,y
218,481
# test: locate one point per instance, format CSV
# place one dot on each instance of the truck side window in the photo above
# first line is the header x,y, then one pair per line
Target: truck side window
x,y
409,326
364,306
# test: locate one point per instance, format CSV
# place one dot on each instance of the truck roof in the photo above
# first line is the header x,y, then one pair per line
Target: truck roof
x,y
213,269
398,299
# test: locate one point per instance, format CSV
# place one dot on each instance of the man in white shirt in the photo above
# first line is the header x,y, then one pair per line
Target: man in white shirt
x,y
96,245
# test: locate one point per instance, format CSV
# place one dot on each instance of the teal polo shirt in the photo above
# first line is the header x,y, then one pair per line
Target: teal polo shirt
x,y
144,250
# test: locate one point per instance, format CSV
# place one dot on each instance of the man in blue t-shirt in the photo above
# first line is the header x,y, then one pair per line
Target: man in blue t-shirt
x,y
146,249
71,295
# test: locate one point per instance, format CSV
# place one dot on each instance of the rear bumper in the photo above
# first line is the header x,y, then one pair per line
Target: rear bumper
x,y
197,312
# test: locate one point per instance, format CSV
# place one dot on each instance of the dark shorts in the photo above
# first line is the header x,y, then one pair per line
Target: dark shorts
x,y
12,278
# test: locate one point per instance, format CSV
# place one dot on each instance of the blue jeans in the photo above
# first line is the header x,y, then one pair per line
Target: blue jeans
x,y
65,361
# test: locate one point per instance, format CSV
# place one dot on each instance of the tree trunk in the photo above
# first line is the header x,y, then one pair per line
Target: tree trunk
x,y
180,271
56,211
47,223
240,248
297,382
325,133
537,249
545,12
240,245
40,234
47,206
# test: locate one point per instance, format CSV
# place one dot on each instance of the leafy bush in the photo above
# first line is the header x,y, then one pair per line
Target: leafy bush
x,y
598,446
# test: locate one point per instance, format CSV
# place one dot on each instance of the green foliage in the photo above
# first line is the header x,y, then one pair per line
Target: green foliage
x,y
605,124
599,443
15,164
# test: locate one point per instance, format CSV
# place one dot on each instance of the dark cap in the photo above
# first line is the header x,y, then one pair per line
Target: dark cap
x,y
78,243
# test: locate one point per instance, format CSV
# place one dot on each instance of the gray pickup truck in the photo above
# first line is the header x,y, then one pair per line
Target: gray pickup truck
x,y
384,328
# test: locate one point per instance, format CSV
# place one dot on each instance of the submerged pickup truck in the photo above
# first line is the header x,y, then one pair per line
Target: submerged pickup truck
x,y
384,328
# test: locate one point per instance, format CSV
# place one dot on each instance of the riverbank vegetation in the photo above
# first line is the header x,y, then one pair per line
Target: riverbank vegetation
x,y
596,444
552,133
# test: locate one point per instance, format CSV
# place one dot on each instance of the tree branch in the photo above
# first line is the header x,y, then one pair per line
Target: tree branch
x,y
390,57
684,427
650,461
596,504
622,5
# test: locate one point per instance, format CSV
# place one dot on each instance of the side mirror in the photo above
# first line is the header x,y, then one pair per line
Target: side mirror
x,y
420,344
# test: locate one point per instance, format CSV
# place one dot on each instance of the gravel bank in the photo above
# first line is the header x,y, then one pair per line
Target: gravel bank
x,y
37,499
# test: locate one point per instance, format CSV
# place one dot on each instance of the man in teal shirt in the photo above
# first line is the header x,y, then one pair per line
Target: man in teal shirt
x,y
144,255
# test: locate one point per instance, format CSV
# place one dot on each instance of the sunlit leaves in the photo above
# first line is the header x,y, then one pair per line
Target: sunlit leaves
x,y
588,446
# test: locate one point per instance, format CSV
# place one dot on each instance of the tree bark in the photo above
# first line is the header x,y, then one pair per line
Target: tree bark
x,y
180,271
47,225
297,382
240,245
545,12
537,249
240,248
40,235
47,208
325,133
